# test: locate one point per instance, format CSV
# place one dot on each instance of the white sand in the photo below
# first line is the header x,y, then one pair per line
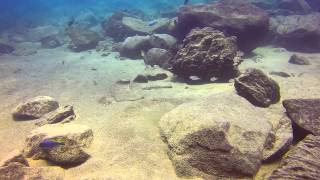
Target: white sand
x,y
127,143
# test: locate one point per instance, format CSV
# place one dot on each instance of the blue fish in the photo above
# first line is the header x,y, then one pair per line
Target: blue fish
x,y
152,23
48,144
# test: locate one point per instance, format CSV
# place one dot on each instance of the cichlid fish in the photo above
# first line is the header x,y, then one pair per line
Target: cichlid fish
x,y
48,144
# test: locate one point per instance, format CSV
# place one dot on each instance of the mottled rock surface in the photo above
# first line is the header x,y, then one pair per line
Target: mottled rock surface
x,y
281,140
305,113
221,135
60,115
157,56
234,17
302,162
299,60
50,42
82,39
14,157
297,32
35,107
207,53
75,138
258,88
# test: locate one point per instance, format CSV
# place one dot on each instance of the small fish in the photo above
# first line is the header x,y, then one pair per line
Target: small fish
x,y
48,144
152,23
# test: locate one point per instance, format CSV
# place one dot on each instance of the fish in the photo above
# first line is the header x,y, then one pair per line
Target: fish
x,y
48,144
152,23
186,2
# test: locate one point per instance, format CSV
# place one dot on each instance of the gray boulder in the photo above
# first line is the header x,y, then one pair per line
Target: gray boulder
x,y
61,115
82,39
258,88
50,42
35,107
219,136
157,56
299,60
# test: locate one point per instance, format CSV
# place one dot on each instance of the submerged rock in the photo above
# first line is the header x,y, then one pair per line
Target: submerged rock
x,y
222,135
234,17
305,113
14,157
35,107
157,56
74,138
86,20
299,60
258,88
302,162
60,115
297,32
6,48
40,32
140,78
50,42
83,39
207,53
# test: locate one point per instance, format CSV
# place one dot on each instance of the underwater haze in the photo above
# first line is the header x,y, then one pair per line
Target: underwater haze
x,y
159,90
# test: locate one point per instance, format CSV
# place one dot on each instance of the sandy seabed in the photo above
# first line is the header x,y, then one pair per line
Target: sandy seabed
x,y
127,143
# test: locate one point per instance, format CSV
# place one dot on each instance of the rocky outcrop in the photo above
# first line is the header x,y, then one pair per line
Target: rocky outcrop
x,y
258,88
234,17
299,60
297,32
134,47
207,53
280,140
82,39
74,139
14,157
305,113
61,115
222,135
121,25
302,162
35,107
50,42
157,56
86,20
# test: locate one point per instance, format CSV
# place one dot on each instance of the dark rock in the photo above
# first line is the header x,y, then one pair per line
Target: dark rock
x,y
234,17
157,76
60,115
82,39
14,157
258,88
297,32
281,140
157,56
35,107
305,113
6,49
140,79
207,53
299,60
123,81
50,42
302,162
280,73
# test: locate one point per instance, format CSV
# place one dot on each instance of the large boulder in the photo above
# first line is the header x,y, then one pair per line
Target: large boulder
x,y
221,135
157,56
302,162
82,39
234,17
74,139
297,32
120,26
86,20
207,53
258,88
305,113
35,107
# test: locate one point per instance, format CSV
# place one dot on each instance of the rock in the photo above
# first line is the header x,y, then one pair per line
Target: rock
x,y
297,32
157,56
6,49
234,17
82,39
17,171
140,78
281,140
14,157
222,135
299,60
75,138
133,46
50,42
123,81
305,113
40,32
280,73
86,20
35,108
60,115
120,26
156,76
302,162
258,88
207,53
